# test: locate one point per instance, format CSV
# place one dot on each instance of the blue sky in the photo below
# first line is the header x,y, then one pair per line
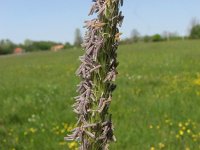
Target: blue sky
x,y
57,19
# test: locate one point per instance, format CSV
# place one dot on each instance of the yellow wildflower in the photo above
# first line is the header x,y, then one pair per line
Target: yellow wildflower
x,y
158,127
197,81
72,145
150,127
167,121
161,145
186,124
188,131
62,143
152,148
69,128
183,128
180,124
32,130
65,126
62,131
194,136
181,132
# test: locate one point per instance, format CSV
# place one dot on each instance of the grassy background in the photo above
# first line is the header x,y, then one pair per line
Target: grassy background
x,y
156,104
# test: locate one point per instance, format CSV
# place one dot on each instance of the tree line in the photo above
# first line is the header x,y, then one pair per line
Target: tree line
x,y
135,37
8,47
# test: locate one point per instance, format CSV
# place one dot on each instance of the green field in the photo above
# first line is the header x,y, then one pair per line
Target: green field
x,y
155,106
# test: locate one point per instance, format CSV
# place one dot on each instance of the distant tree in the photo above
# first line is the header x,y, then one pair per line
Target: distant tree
x,y
135,35
78,38
147,38
167,35
67,45
28,42
44,45
156,38
30,46
6,46
194,29
195,32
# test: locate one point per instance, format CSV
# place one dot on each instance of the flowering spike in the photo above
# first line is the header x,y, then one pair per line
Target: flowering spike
x,y
98,72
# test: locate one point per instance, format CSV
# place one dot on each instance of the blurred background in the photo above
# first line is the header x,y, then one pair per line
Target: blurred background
x,y
156,103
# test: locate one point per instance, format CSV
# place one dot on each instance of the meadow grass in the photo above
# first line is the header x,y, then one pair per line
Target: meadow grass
x,y
155,106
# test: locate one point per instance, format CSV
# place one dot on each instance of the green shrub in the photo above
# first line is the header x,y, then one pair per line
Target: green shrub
x,y
30,46
6,46
195,32
156,38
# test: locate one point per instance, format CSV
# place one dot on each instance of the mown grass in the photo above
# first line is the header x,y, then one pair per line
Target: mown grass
x,y
156,104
